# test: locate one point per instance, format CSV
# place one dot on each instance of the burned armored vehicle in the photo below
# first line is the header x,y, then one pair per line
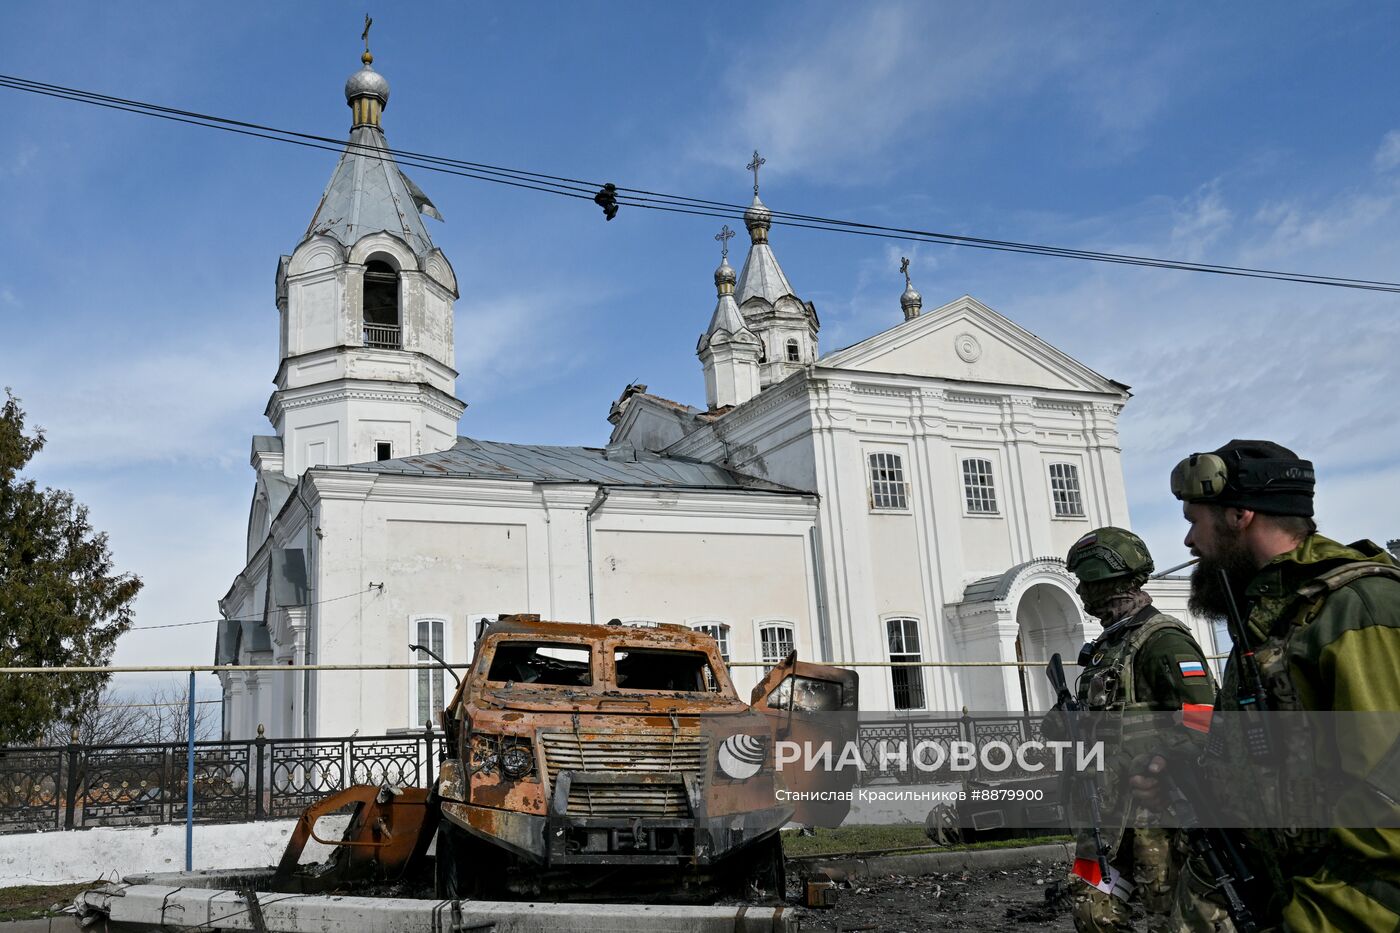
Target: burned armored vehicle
x,y
608,759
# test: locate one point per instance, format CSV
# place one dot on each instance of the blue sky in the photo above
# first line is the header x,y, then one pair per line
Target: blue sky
x,y
137,316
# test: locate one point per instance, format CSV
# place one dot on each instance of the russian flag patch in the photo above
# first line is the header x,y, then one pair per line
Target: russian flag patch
x,y
1196,716
1192,668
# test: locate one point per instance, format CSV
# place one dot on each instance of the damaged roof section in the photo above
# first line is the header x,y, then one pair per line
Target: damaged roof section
x,y
617,465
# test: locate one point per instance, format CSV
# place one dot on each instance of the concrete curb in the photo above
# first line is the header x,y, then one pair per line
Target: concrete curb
x,y
927,863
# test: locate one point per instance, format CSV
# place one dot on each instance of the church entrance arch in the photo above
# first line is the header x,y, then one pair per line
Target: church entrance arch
x,y
1048,621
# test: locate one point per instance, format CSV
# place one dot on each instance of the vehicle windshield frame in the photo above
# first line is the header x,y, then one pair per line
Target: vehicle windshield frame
x,y
620,646
487,658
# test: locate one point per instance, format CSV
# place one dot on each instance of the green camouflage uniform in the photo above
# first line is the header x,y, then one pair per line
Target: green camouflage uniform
x,y
1333,646
1135,666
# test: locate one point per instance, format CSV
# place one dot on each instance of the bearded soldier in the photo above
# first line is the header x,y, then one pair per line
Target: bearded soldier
x,y
1143,661
1323,620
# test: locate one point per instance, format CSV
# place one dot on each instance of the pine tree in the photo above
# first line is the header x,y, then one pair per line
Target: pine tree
x,y
61,603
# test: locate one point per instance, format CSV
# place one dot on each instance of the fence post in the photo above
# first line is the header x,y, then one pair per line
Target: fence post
x,y
71,798
259,785
428,740
968,730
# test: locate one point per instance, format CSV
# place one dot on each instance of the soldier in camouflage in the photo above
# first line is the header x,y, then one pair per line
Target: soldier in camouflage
x,y
1324,623
1143,660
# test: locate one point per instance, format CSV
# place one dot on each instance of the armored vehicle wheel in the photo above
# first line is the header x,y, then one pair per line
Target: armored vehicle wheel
x,y
762,874
465,868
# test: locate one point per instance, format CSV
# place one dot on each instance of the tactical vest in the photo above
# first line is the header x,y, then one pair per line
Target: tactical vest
x,y
1108,684
1283,784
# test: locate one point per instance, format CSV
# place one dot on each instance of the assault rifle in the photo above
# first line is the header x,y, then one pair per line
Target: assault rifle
x,y
1088,786
1213,846
1251,695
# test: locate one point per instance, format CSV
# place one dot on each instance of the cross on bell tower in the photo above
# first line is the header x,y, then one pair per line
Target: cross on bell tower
x,y
724,236
757,163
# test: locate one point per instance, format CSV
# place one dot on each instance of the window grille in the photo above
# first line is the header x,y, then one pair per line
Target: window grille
x,y
1064,490
979,489
887,487
903,635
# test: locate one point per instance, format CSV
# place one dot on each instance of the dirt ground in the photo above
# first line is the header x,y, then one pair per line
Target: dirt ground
x,y
1014,899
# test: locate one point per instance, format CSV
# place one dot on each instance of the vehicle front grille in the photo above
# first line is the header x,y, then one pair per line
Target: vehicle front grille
x,y
646,753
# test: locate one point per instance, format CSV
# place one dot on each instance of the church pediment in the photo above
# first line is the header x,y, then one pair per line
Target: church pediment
x,y
968,341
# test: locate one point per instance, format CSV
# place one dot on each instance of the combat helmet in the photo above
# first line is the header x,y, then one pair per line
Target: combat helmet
x,y
1110,554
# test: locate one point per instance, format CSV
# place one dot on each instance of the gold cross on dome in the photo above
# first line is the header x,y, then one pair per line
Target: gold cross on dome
x,y
904,268
723,237
753,166
365,35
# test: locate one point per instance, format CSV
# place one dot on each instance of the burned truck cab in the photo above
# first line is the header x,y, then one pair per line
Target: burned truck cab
x,y
577,751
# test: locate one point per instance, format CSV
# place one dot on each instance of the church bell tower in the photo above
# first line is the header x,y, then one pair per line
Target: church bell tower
x,y
366,304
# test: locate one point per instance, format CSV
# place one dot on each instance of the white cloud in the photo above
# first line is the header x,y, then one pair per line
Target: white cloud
x,y
1199,224
863,84
1211,358
839,100
509,341
120,405
1388,155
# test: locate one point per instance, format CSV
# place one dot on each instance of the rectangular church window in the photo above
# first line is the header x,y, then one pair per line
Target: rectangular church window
x,y
1064,490
979,489
888,489
383,451
908,682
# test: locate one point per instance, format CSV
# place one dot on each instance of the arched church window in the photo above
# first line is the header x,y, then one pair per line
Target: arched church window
x,y
794,352
775,642
427,682
381,306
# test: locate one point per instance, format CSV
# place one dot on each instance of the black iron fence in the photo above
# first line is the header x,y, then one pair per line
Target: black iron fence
x,y
80,785
924,749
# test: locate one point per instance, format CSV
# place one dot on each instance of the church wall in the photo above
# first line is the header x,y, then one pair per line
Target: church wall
x,y
367,433
314,301
435,333
878,565
461,549
734,559
442,562
735,579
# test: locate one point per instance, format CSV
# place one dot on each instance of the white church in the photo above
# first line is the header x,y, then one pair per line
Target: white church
x,y
908,498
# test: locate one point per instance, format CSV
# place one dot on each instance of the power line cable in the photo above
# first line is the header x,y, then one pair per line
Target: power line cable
x,y
651,200
319,602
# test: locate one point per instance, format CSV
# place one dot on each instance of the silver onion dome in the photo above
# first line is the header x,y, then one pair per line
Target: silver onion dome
x,y
758,215
724,275
911,301
911,297
367,83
